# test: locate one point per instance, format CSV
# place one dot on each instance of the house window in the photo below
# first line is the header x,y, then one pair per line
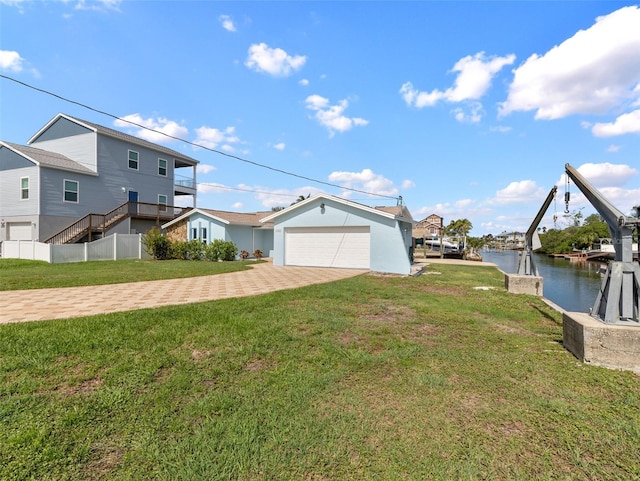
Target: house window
x,y
133,160
71,191
24,188
194,233
162,167
203,234
162,201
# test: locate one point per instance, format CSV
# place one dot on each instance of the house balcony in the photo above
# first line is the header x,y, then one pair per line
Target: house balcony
x,y
183,185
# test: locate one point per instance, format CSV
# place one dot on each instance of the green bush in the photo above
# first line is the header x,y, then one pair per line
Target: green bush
x,y
160,247
228,251
195,250
156,244
179,251
212,251
221,250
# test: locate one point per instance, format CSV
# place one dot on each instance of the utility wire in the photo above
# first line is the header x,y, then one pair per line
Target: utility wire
x,y
257,164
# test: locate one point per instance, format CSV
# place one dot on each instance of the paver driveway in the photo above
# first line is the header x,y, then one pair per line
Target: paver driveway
x,y
66,302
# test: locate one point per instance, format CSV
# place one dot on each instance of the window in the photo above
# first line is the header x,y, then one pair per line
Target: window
x,y
162,167
133,160
24,188
194,233
203,234
71,190
162,201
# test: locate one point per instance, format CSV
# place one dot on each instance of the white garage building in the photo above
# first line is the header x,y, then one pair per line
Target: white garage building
x,y
329,231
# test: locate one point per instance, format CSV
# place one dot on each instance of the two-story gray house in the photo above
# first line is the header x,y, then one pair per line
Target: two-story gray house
x,y
90,180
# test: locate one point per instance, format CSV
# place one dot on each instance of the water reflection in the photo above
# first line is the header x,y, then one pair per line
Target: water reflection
x,y
571,285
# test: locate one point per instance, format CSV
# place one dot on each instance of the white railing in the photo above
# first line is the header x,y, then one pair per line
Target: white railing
x,y
113,247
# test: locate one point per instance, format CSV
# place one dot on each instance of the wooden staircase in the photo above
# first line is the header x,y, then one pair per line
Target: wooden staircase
x,y
94,226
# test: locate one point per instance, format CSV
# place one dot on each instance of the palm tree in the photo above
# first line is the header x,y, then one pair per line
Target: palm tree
x,y
301,198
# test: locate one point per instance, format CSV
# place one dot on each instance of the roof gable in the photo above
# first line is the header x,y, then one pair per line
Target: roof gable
x,y
388,212
84,126
252,219
45,158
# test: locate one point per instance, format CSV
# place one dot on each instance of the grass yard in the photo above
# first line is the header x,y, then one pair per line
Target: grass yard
x,y
23,274
370,378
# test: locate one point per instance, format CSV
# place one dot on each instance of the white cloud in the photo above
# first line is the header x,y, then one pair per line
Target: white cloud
x,y
613,148
227,23
273,61
503,129
408,184
625,124
304,82
604,174
475,74
11,60
213,138
212,188
332,116
366,181
237,205
204,168
590,73
280,197
523,191
153,130
464,203
472,114
280,146
98,5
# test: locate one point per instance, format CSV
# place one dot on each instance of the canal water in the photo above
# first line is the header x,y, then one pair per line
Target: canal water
x,y
571,285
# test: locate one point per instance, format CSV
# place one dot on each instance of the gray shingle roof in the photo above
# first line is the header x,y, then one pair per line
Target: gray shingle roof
x,y
50,159
239,218
131,139
398,211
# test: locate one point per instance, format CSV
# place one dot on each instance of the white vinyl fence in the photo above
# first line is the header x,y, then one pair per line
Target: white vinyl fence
x,y
111,248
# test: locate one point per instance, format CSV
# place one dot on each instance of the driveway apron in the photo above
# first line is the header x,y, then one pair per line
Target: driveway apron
x,y
67,302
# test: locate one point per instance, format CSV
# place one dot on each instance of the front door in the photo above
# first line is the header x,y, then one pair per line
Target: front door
x,y
133,202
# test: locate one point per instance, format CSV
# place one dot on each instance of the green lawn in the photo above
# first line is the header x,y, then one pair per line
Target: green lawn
x,y
23,274
370,378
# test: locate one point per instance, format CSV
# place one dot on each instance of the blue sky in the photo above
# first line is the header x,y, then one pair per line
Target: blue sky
x,y
465,109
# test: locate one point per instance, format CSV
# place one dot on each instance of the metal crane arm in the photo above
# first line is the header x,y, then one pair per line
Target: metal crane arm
x,y
543,209
612,216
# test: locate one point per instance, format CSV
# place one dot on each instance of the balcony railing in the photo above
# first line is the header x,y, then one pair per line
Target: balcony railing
x,y
186,182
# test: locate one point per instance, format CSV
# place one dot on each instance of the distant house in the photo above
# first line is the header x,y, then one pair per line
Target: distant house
x,y
329,231
245,230
510,240
431,226
72,168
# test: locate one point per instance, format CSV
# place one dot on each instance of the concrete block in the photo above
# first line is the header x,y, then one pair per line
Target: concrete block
x,y
519,284
607,345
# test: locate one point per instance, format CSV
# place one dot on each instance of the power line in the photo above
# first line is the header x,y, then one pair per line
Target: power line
x,y
195,144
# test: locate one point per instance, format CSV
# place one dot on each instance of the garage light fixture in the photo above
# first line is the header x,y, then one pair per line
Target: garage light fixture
x,y
322,206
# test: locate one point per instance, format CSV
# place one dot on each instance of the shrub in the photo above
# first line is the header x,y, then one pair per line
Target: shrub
x,y
244,254
179,251
258,254
195,250
228,251
220,250
212,251
156,244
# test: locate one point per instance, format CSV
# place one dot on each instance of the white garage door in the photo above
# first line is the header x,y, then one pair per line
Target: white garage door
x,y
327,247
19,231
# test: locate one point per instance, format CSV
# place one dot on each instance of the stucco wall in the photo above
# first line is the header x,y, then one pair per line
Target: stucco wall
x,y
389,241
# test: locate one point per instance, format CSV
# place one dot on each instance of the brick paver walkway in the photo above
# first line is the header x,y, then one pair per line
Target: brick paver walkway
x,y
66,302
